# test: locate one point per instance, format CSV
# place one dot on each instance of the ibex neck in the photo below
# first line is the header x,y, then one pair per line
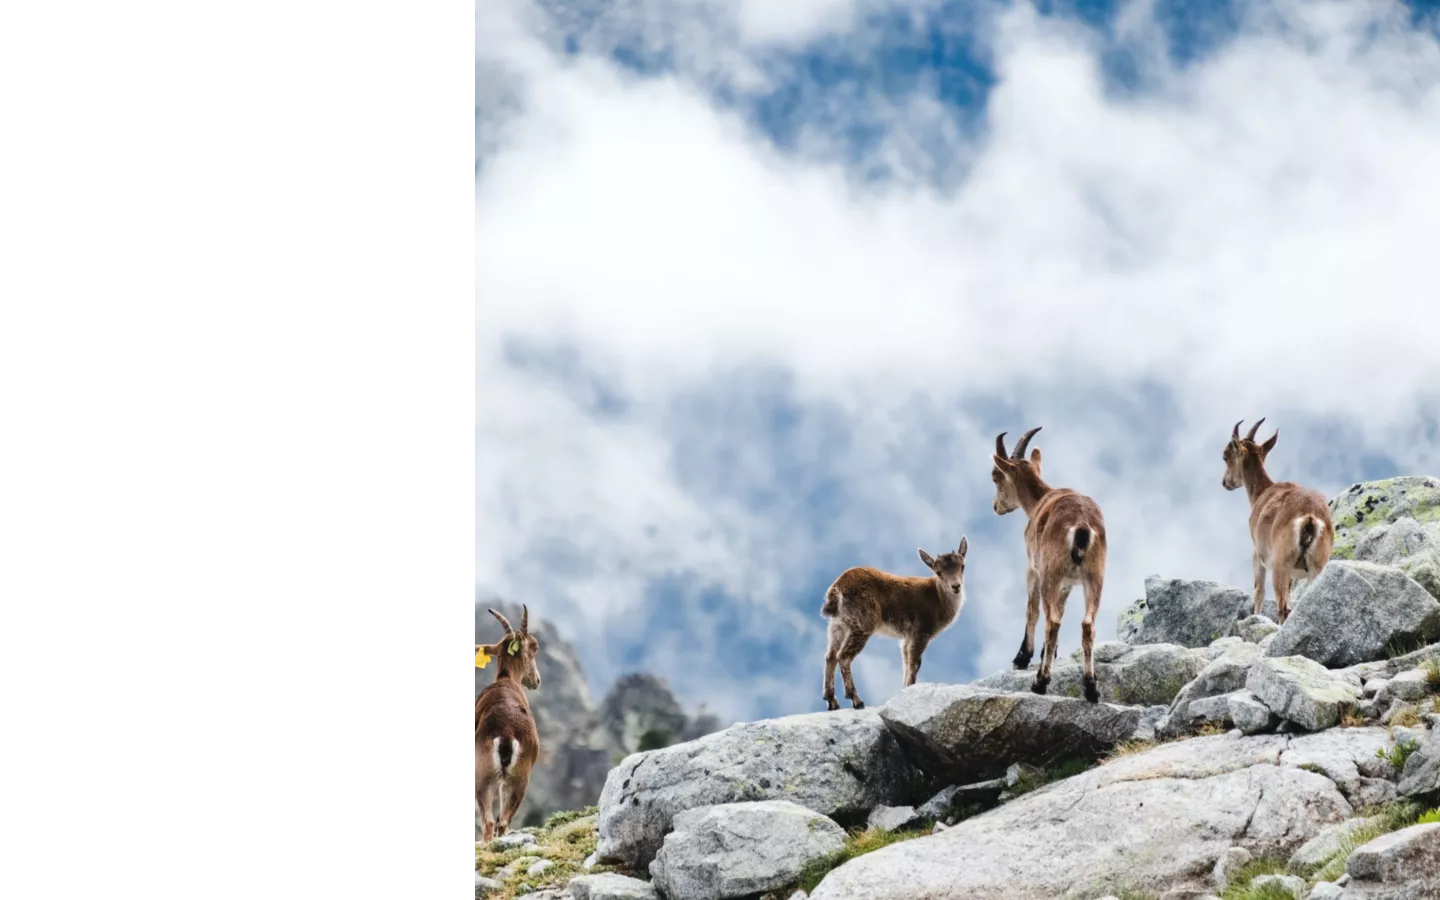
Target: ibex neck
x,y
1030,491
1257,481
949,601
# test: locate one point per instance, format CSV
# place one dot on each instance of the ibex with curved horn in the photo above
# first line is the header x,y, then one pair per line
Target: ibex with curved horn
x,y
1064,546
865,601
1290,526
506,742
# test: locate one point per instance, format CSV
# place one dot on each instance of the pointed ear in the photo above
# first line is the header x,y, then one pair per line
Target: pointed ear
x,y
1035,457
964,546
1269,445
927,559
1006,465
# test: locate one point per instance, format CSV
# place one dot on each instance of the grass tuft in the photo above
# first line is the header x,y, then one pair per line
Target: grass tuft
x,y
858,843
566,840
1034,779
563,817
1432,675
1240,887
1129,748
1397,754
1388,818
1350,717
1406,716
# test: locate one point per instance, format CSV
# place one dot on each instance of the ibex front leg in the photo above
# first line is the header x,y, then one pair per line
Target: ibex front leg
x,y
1032,612
1052,601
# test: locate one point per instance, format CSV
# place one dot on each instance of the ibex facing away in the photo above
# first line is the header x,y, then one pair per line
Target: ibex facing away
x,y
864,601
1064,546
1290,525
506,743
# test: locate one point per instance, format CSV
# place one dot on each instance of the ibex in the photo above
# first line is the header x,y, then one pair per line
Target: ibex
x,y
506,742
865,601
1064,546
1290,525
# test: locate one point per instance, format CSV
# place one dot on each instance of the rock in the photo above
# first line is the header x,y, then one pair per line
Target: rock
x,y
1187,894
1340,754
1230,862
959,731
892,818
799,895
1213,710
1326,890
1421,775
590,861
1314,852
1152,720
1249,714
1355,612
1146,675
485,885
515,865
1279,885
1407,545
539,868
1224,675
1409,857
1411,685
842,764
939,827
1374,686
512,840
1368,505
1389,668
1254,629
741,849
1265,642
951,799
610,886
1301,690
1184,612
1145,822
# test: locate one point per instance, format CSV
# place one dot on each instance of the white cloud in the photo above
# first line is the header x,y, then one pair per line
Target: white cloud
x,y
1252,233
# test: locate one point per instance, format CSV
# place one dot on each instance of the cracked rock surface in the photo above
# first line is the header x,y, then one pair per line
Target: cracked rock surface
x,y
1151,821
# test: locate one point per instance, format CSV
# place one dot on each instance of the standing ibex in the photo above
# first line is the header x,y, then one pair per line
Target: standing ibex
x,y
1290,527
1064,546
506,742
865,601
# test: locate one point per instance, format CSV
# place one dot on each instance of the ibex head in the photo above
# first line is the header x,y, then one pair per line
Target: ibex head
x,y
1240,451
949,567
1009,466
517,650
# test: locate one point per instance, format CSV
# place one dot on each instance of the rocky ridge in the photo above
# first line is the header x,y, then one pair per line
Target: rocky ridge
x,y
1229,753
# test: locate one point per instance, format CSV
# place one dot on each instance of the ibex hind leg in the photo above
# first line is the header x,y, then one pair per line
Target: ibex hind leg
x,y
1032,613
838,633
853,645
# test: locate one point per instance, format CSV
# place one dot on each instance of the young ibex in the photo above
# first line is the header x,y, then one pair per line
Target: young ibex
x,y
506,743
1290,525
865,601
1064,546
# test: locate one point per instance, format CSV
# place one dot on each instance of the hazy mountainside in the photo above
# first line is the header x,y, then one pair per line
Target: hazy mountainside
x,y
582,741
1229,758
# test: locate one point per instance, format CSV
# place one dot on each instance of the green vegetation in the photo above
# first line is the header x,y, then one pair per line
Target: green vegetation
x,y
1397,755
858,843
566,839
1404,645
1388,818
654,739
1432,675
1429,817
1034,779
1316,768
1240,883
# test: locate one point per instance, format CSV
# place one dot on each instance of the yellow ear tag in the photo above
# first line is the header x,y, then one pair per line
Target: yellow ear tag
x,y
481,659
514,647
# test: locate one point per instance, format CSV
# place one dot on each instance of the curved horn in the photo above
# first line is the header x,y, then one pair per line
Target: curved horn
x,y
1250,436
1000,450
503,621
524,618
1235,434
1024,442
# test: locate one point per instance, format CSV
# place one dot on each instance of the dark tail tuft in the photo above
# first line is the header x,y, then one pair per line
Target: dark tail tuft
x,y
1308,530
831,606
1079,544
505,752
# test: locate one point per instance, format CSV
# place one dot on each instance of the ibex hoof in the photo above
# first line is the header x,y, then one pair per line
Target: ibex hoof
x,y
857,703
1040,685
1092,691
1022,660
832,703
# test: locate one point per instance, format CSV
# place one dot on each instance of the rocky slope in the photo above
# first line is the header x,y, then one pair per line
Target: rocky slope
x,y
1229,757
583,741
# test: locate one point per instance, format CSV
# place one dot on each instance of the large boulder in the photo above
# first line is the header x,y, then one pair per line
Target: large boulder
x,y
840,764
1301,691
963,733
1408,546
1401,865
1348,757
1186,612
611,886
1225,674
1365,506
1356,612
1144,675
741,849
1146,822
